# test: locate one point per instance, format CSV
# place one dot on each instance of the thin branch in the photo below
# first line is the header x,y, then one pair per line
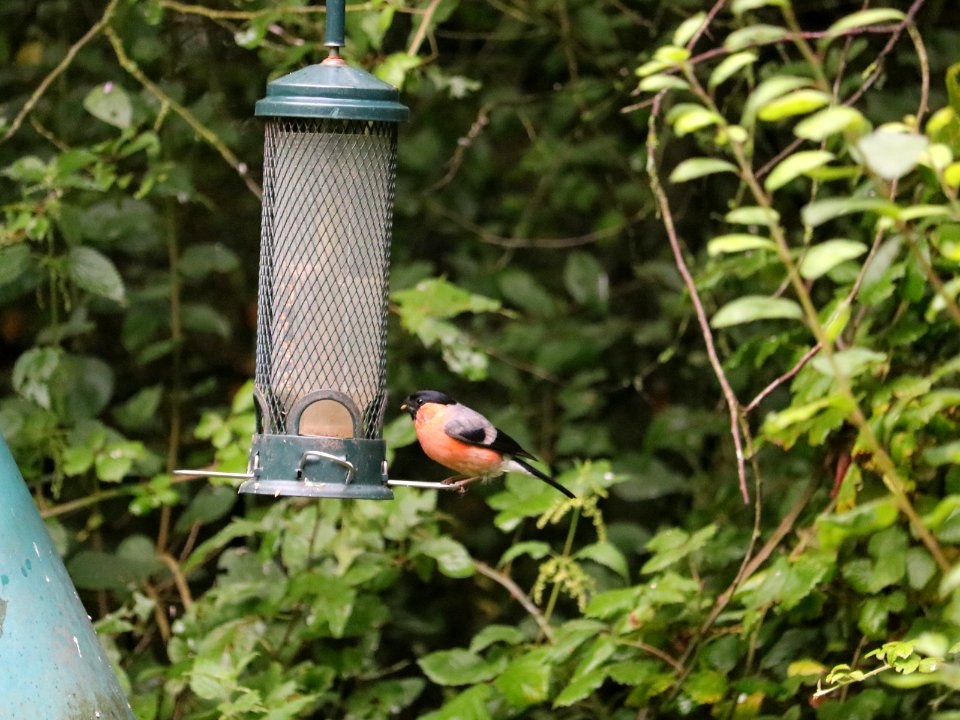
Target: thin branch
x,y
656,652
705,25
162,623
878,61
68,57
517,594
749,568
208,136
423,28
733,405
788,375
178,578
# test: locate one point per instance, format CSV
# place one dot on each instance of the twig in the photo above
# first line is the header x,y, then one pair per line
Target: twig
x,y
788,375
178,578
656,652
711,14
423,28
517,594
733,405
878,61
210,137
68,57
162,623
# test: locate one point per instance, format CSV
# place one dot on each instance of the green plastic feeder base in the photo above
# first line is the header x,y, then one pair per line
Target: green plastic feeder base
x,y
318,467
53,666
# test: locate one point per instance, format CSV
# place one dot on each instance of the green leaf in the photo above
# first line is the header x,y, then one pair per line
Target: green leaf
x,y
673,544
606,554
658,82
751,308
693,119
730,66
586,280
452,558
865,519
828,121
752,215
864,18
395,68
33,372
738,242
109,102
202,259
526,680
948,454
850,362
820,211
793,166
739,7
769,90
920,568
706,687
471,704
140,410
688,28
694,168
94,272
457,667
824,257
580,687
797,102
15,261
536,549
891,155
753,35
492,634
203,318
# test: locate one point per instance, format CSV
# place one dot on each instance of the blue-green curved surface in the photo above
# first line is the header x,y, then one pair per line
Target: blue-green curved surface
x,y
52,666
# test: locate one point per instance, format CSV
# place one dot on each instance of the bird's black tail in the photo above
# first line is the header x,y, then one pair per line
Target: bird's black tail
x,y
543,476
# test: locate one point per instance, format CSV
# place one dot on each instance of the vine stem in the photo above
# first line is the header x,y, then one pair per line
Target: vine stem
x,y
517,594
888,471
567,548
733,405
57,71
208,136
886,467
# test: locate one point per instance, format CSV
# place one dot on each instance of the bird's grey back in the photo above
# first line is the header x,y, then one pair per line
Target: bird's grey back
x,y
468,423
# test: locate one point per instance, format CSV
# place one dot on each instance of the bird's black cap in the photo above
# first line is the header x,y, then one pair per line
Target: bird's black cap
x,y
413,402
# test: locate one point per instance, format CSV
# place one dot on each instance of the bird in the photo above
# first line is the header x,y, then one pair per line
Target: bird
x,y
463,440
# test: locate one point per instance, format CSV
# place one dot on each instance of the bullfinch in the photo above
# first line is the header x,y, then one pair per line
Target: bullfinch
x,y
465,441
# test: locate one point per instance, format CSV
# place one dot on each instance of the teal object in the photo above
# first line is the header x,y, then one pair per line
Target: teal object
x,y
333,30
334,91
53,666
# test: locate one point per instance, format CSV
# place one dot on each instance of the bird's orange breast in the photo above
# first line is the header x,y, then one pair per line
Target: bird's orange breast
x,y
452,453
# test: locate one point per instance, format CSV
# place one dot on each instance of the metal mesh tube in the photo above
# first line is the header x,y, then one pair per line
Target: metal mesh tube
x,y
324,263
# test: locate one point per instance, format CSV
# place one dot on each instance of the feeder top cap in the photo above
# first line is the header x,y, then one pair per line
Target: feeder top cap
x,y
336,92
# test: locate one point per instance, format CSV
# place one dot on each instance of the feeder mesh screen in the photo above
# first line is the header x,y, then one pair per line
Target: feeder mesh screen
x,y
324,262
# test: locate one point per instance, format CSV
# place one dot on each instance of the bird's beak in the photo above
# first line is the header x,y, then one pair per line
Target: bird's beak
x,y
404,406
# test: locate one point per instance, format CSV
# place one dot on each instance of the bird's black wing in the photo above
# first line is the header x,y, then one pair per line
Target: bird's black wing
x,y
471,427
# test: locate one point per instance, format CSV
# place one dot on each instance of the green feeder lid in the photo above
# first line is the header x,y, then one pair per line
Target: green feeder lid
x,y
332,90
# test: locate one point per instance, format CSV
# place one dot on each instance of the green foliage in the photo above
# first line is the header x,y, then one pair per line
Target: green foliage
x,y
795,204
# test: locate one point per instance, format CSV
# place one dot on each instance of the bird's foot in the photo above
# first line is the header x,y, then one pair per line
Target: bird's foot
x,y
461,484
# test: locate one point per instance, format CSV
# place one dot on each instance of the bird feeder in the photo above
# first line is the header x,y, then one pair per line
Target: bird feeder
x,y
329,176
330,156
